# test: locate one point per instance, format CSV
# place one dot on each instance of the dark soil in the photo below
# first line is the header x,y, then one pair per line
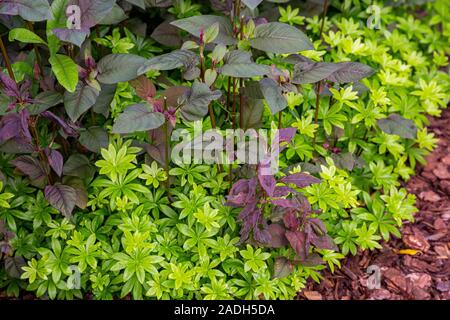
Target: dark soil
x,y
421,273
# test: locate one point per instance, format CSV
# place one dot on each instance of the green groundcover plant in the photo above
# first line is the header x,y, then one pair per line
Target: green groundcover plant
x,y
91,204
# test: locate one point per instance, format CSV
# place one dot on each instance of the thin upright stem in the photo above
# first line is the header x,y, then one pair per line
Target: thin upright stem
x,y
325,10
228,105
36,49
7,61
41,154
241,104
234,103
280,120
167,167
316,113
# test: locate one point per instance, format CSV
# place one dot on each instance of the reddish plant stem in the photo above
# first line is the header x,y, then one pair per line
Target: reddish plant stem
x,y
41,154
241,104
202,77
325,10
36,50
280,120
167,164
316,113
234,103
228,105
7,61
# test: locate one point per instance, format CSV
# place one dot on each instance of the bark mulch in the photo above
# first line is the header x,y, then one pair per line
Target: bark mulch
x,y
420,276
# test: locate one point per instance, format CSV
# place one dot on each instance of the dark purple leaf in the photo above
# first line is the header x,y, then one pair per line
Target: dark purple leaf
x,y
173,94
286,134
31,10
144,87
94,138
55,160
323,242
9,86
61,197
16,145
138,118
65,126
32,168
23,129
282,267
80,189
13,266
197,101
297,239
285,203
252,112
261,230
78,165
278,237
273,94
312,72
104,99
111,68
398,125
350,72
311,260
78,102
169,61
242,192
282,191
44,101
266,180
195,25
291,221
9,126
301,180
167,35
92,12
74,36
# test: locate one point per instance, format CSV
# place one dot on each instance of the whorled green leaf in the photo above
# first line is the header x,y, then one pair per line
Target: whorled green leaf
x,y
94,138
398,125
273,94
65,70
138,118
118,67
276,37
80,101
196,102
194,25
